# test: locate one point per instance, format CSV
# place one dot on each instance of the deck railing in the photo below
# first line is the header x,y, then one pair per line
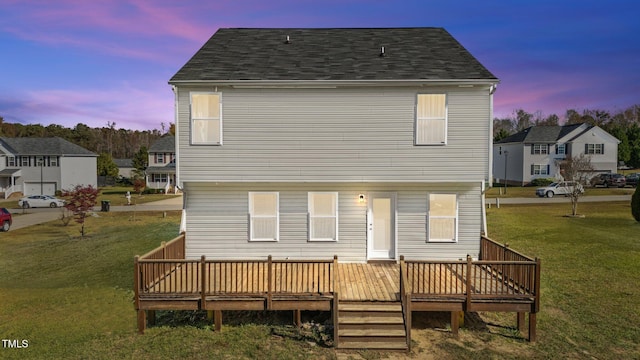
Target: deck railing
x,y
405,299
163,272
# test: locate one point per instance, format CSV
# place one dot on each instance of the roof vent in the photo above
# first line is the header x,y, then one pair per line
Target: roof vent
x,y
288,41
382,54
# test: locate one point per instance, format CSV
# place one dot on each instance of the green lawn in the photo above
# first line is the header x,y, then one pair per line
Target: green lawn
x,y
72,298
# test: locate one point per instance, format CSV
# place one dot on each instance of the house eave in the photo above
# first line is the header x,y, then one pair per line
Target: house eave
x,y
247,84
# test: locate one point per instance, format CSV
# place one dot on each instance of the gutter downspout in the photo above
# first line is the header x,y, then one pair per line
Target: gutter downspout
x,y
178,184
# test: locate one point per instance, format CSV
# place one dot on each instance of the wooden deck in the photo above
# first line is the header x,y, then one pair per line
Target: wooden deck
x,y
503,280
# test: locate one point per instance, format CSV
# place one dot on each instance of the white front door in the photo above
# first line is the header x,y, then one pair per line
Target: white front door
x,y
381,225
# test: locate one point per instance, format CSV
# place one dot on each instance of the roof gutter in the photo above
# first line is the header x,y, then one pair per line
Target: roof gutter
x,y
492,83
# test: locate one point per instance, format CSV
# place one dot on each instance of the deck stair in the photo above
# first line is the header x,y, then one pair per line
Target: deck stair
x,y
371,325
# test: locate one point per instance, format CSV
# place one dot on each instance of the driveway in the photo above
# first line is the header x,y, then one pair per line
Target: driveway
x,y
36,216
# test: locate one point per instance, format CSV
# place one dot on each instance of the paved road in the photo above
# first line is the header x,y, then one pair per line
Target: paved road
x,y
40,215
558,199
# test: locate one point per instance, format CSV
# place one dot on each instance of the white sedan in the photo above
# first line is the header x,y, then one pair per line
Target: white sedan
x,y
40,201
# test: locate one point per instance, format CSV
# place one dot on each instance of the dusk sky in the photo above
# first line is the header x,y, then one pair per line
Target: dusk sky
x,y
93,62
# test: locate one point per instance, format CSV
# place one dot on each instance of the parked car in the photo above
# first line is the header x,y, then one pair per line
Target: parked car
x,y
632,179
559,188
608,180
5,219
40,201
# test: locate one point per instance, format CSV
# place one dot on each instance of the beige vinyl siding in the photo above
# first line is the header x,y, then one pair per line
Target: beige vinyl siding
x,y
217,221
343,135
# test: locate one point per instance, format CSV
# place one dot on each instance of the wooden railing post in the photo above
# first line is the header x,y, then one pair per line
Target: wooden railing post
x,y
163,245
204,282
537,286
136,280
468,284
269,281
333,274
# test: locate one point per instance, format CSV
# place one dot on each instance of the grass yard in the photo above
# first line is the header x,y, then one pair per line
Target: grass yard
x,y
530,192
72,298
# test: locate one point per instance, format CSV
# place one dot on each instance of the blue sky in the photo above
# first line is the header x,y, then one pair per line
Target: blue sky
x,y
93,62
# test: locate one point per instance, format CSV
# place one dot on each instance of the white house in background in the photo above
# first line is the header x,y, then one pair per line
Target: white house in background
x,y
534,152
305,143
44,165
161,172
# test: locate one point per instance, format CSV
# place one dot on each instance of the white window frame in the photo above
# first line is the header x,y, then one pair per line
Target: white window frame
x,y
595,149
192,120
11,161
426,121
53,161
160,178
561,149
159,158
540,149
435,217
311,216
24,161
252,216
540,169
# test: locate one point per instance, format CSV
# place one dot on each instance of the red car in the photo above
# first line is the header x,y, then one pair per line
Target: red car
x,y
5,219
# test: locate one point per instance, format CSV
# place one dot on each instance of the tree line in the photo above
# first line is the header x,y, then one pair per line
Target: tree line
x,y
117,143
624,125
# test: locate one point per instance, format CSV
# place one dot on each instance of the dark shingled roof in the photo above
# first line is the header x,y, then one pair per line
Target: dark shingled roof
x,y
332,54
44,146
540,134
123,163
167,143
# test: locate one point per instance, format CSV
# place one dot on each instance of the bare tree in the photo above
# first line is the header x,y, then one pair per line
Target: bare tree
x,y
577,169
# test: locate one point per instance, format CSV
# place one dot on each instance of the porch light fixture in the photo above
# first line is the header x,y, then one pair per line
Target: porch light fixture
x,y
361,198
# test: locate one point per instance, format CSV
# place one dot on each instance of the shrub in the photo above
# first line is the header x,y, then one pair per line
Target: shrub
x,y
635,204
542,181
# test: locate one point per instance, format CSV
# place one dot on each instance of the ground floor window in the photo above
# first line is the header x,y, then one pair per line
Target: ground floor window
x,y
323,216
539,169
264,216
162,178
443,217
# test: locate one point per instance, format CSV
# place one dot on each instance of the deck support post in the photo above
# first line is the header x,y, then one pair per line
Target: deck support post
x,y
455,322
520,321
297,318
142,319
532,327
217,315
151,317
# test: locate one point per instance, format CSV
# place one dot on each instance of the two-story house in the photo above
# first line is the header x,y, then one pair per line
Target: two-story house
x,y
161,172
537,151
305,143
44,165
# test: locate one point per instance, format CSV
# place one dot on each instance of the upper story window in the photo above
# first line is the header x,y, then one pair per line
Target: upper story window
x,y
206,119
53,161
594,149
159,158
561,149
540,149
443,217
323,216
11,161
264,216
24,161
431,119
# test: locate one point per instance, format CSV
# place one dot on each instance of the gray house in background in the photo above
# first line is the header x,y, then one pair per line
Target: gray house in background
x,y
44,165
125,167
534,152
305,143
161,171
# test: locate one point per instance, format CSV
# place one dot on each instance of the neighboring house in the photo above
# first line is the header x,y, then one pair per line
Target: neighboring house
x,y
305,143
125,168
534,152
44,165
161,172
